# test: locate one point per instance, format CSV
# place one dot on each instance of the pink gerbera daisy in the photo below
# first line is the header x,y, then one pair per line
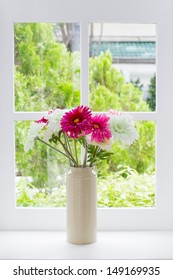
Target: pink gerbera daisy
x,y
76,122
100,128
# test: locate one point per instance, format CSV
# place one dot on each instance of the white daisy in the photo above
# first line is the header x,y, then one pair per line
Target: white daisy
x,y
122,128
35,128
53,126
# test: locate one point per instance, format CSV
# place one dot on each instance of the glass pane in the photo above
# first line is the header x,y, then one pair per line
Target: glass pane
x,y
40,173
47,66
122,67
126,179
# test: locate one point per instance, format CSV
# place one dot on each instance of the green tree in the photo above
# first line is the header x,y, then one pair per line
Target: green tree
x,y
47,75
109,89
137,83
151,100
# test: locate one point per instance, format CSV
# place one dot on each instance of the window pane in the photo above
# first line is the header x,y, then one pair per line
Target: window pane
x,y
47,66
122,66
40,173
126,179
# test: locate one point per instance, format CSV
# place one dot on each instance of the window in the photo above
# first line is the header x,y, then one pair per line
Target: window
x,y
53,12
47,75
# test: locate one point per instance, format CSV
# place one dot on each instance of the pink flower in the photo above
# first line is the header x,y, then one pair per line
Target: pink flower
x,y
42,120
76,122
100,130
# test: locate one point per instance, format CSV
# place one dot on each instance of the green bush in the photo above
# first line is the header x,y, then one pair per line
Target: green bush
x,y
113,191
132,191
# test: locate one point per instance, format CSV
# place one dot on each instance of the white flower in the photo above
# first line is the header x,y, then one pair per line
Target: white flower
x,y
105,145
122,128
32,134
53,126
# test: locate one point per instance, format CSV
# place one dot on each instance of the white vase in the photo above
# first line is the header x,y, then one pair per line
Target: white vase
x,y
81,191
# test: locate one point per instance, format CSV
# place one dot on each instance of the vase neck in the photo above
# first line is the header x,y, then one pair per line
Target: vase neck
x,y
81,169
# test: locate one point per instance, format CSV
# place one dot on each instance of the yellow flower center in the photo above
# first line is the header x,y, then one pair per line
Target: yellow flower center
x,y
76,120
96,125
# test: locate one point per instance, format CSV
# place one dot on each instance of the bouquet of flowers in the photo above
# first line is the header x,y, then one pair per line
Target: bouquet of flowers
x,y
95,132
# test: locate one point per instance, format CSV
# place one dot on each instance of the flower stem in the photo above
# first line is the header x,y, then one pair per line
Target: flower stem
x,y
67,142
55,149
68,153
94,155
85,156
75,149
68,147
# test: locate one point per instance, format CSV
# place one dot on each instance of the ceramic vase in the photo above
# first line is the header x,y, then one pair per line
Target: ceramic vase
x,y
81,189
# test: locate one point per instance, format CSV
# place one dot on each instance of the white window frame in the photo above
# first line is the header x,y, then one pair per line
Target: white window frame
x,y
131,11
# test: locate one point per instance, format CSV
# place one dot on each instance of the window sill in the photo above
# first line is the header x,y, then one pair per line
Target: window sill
x,y
109,245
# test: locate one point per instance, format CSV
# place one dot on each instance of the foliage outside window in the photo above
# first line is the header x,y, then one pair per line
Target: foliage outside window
x,y
47,75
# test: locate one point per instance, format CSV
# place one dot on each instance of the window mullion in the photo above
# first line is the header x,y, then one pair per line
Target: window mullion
x,y
24,116
143,116
139,116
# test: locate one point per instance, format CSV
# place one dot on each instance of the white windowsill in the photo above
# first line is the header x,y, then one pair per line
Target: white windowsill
x,y
109,245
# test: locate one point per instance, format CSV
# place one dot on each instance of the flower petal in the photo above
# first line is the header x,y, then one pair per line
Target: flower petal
x,y
122,128
32,134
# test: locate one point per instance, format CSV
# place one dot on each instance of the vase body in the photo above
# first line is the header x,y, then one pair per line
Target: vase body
x,y
81,192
